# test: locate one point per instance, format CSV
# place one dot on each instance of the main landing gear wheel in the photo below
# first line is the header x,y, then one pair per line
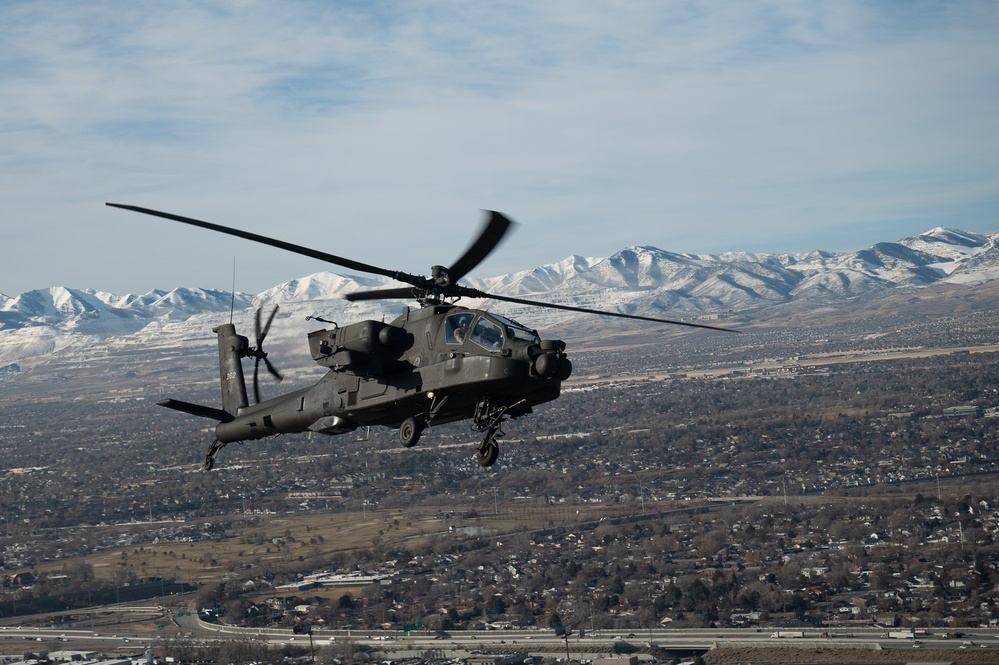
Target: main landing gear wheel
x,y
487,418
409,432
487,453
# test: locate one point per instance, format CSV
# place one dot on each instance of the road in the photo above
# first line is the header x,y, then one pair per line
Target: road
x,y
22,638
397,645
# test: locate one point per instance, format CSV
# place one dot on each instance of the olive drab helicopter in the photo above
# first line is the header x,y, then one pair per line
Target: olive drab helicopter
x,y
439,363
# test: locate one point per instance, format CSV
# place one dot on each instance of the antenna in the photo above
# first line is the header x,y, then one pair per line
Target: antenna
x,y
232,294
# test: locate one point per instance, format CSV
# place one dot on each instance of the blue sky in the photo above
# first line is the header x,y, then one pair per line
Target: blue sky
x,y
378,131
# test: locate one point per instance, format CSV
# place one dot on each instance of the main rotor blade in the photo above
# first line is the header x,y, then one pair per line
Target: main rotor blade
x,y
280,244
490,236
475,293
406,292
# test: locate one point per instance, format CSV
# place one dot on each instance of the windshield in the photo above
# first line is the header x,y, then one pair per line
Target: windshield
x,y
488,335
515,330
456,327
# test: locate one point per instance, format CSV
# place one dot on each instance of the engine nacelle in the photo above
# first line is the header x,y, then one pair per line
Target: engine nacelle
x,y
366,346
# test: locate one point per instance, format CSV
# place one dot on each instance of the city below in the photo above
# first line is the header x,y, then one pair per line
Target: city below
x,y
723,498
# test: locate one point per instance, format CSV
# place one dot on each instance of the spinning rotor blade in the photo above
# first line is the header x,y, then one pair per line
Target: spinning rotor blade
x,y
256,371
272,370
423,288
258,352
280,244
256,383
405,292
492,233
489,238
475,293
261,334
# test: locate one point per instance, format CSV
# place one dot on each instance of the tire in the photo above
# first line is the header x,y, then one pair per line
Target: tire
x,y
409,432
488,454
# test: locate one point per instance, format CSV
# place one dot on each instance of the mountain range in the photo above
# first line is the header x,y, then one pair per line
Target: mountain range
x,y
643,280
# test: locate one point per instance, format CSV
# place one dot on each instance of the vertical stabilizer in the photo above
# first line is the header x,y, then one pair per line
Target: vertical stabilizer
x,y
232,348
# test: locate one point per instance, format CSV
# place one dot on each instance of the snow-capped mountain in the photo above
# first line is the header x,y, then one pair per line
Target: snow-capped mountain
x,y
643,280
736,281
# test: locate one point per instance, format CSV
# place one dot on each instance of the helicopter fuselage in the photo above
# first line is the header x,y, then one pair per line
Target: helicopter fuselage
x,y
433,365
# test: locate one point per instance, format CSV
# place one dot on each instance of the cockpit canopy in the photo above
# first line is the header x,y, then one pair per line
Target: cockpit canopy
x,y
489,331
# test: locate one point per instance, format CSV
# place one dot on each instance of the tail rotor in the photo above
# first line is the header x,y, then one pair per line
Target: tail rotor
x,y
257,352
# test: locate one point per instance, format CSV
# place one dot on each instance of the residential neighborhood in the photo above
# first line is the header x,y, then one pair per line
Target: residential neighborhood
x,y
755,491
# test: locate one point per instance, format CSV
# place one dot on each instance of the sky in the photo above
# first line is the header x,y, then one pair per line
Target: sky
x,y
379,131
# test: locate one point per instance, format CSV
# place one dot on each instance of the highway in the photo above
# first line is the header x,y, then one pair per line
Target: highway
x,y
21,638
396,645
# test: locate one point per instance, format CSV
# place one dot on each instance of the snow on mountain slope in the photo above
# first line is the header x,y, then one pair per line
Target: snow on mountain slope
x,y
951,247
639,268
844,283
950,244
321,285
59,304
741,289
56,302
36,342
641,280
538,280
981,267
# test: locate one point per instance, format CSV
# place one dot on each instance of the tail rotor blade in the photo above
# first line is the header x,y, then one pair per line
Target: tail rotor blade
x,y
273,370
258,353
267,326
256,383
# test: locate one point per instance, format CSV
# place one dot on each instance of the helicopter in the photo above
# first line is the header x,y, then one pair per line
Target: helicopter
x,y
435,364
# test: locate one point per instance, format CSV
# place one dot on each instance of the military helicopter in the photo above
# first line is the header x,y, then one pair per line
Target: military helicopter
x,y
437,364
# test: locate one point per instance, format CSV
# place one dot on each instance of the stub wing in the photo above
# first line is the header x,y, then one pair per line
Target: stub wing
x,y
196,409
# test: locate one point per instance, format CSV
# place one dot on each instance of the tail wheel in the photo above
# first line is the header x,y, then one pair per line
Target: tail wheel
x,y
409,432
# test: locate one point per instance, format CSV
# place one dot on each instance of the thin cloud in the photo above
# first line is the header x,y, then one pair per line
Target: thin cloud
x,y
377,132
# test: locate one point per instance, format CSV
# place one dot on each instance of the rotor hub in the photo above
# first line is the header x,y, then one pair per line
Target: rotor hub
x,y
440,276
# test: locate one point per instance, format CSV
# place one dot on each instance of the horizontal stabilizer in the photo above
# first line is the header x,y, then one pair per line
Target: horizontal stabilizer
x,y
196,409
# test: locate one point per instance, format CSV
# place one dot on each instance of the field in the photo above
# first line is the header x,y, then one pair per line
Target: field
x,y
257,540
